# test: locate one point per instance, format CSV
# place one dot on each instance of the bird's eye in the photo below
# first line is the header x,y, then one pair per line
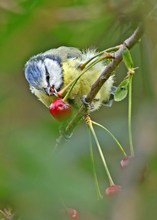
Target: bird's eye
x,y
47,74
47,78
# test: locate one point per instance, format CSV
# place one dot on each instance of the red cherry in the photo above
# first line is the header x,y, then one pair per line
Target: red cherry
x,y
73,213
60,109
112,190
125,161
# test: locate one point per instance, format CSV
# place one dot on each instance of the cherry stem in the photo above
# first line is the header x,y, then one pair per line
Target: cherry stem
x,y
111,49
89,123
99,195
119,145
129,117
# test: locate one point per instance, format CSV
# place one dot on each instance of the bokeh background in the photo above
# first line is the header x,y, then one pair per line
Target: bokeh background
x,y
35,183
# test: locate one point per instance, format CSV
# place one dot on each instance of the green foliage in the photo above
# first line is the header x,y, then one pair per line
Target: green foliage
x,y
127,59
122,90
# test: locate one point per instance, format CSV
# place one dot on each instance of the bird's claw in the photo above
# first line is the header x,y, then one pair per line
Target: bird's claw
x,y
88,105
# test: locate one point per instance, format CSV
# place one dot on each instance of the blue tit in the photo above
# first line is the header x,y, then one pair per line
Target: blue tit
x,y
49,72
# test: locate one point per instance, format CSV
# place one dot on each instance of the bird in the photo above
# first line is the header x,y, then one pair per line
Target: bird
x,y
52,71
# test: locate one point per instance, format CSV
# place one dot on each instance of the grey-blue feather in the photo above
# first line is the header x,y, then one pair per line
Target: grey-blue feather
x,y
32,73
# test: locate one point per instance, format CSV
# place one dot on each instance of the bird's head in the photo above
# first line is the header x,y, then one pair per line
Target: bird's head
x,y
45,73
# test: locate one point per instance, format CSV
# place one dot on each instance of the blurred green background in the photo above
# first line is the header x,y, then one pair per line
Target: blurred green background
x,y
35,183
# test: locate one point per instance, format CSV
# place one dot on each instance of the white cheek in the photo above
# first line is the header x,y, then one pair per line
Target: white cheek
x,y
55,72
43,82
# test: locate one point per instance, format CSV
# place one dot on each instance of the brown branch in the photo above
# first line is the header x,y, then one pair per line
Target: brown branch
x,y
129,43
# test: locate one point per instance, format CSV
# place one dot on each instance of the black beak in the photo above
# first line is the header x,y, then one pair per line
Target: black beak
x,y
51,91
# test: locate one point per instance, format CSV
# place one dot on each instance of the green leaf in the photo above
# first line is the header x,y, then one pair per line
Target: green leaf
x,y
127,59
122,90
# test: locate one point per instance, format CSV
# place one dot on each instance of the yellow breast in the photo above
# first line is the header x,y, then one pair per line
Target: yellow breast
x,y
71,71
